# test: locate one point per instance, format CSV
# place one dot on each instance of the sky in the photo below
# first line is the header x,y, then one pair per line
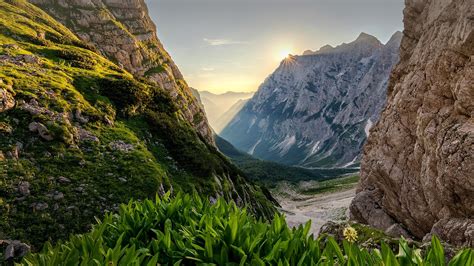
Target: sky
x,y
233,45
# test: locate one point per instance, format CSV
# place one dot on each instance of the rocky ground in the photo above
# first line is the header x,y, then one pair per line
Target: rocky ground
x,y
299,207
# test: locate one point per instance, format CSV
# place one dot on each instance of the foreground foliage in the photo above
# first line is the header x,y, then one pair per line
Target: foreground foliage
x,y
189,230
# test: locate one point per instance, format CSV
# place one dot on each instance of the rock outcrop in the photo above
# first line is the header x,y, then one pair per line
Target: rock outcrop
x,y
315,110
124,32
7,101
418,165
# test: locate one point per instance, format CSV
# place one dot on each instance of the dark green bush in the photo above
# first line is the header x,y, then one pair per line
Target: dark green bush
x,y
126,94
154,70
76,59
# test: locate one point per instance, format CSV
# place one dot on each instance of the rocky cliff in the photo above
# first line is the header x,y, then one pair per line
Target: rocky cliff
x,y
417,171
124,32
316,110
79,135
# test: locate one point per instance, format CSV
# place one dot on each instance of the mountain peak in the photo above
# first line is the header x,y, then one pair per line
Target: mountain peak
x,y
395,39
325,48
366,38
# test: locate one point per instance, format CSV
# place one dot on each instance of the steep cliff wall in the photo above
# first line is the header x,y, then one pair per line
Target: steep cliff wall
x,y
124,32
418,164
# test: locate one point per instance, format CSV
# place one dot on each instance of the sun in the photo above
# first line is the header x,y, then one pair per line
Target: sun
x,y
285,53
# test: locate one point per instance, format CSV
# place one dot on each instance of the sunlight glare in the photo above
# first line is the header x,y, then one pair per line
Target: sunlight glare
x,y
284,54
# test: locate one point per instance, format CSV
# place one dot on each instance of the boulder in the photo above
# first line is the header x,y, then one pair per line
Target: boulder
x,y
14,249
42,130
5,128
119,145
64,180
24,188
7,101
40,206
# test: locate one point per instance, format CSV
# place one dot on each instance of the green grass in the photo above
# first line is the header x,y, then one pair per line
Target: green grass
x,y
332,185
188,230
154,70
70,77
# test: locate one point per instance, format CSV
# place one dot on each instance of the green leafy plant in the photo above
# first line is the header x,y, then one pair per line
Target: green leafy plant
x,y
188,229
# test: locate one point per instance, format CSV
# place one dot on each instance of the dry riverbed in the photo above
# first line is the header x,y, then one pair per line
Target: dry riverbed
x,y
299,207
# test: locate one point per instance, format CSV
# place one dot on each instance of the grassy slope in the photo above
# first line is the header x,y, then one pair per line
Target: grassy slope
x,y
332,185
66,76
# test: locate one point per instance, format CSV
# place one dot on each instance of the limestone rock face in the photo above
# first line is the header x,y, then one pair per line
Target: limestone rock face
x,y
316,110
124,32
418,164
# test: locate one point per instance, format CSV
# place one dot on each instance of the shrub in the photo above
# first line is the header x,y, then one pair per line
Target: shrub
x,y
189,230
154,70
76,59
126,94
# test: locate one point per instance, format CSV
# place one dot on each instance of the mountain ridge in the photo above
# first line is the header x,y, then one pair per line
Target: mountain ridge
x,y
316,110
220,108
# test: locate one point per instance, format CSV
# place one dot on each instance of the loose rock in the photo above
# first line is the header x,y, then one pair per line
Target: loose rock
x,y
24,188
15,249
42,130
64,180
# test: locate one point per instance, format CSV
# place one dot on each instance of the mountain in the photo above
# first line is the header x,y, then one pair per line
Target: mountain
x,y
228,115
81,131
218,105
123,32
418,164
316,110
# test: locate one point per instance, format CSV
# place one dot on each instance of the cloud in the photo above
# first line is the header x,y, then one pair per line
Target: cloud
x,y
207,69
219,42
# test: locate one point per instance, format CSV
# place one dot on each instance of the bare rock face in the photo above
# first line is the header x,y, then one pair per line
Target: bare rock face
x,y
418,164
124,32
316,110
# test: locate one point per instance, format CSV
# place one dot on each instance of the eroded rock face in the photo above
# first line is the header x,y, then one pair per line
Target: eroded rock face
x,y
418,164
316,110
124,32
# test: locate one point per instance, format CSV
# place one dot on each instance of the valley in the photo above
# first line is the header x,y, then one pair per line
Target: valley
x,y
320,202
355,153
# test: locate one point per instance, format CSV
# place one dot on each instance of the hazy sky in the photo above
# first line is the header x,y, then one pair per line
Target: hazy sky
x,y
233,45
